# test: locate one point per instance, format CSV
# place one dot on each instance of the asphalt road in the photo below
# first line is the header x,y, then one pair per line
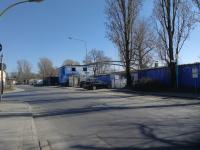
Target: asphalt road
x,y
76,119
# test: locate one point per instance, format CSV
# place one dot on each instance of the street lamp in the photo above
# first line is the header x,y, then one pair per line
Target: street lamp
x,y
1,56
84,42
18,3
85,45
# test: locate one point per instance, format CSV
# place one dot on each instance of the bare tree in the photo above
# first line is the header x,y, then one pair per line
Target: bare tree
x,y
121,16
70,62
144,44
197,3
13,75
23,71
99,62
46,68
174,20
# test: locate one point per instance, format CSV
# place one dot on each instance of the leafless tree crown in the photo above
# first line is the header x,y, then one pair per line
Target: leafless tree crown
x,y
70,62
121,17
174,21
100,64
46,68
23,71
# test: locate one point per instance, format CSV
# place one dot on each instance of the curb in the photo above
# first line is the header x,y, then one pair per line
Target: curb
x,y
15,114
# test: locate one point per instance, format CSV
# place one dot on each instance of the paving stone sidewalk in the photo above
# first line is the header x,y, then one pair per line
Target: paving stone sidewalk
x,y
17,128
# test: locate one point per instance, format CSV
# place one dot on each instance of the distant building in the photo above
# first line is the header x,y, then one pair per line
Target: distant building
x,y
70,75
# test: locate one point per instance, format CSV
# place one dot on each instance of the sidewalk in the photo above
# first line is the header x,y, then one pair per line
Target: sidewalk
x,y
14,90
17,129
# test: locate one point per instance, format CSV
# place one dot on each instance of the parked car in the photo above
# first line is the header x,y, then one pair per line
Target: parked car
x,y
95,84
82,84
38,83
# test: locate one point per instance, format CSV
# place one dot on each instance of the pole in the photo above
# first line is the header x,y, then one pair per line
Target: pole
x,y
17,3
2,84
85,44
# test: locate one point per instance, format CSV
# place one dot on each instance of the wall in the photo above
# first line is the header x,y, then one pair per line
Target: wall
x,y
185,77
159,74
104,78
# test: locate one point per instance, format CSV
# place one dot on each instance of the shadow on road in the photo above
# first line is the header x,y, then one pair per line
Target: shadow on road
x,y
86,110
181,147
155,142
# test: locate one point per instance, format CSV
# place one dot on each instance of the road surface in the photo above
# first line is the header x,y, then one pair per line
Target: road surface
x,y
76,119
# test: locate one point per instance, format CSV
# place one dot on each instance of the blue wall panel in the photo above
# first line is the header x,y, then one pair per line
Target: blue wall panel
x,y
185,76
185,79
159,74
105,78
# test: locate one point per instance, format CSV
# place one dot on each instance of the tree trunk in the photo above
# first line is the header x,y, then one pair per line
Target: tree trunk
x,y
128,76
172,67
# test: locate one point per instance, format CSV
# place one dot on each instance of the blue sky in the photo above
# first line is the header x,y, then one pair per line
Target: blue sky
x,y
32,31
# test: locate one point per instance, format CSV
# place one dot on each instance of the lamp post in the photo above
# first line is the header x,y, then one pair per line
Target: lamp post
x,y
18,3
85,45
84,42
1,56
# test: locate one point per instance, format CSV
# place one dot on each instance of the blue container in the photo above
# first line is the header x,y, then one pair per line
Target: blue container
x,y
186,77
158,74
105,78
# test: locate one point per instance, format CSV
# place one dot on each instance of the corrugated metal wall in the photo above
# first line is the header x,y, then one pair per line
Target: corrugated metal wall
x,y
185,75
159,74
186,79
105,78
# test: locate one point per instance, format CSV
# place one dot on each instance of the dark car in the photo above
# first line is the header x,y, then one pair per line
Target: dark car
x,y
95,84
82,84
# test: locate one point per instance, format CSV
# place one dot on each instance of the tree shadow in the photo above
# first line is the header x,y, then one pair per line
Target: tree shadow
x,y
91,147
163,95
166,143
94,109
